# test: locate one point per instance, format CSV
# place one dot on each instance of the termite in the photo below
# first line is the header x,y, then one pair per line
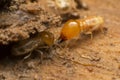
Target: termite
x,y
63,4
66,4
26,46
73,28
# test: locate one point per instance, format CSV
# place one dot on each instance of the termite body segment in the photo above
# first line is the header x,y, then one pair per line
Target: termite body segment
x,y
90,24
28,45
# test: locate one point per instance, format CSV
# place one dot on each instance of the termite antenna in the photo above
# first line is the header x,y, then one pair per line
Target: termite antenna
x,y
59,40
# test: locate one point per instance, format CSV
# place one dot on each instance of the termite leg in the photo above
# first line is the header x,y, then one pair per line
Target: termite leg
x,y
66,44
27,56
62,44
58,45
91,34
41,55
102,30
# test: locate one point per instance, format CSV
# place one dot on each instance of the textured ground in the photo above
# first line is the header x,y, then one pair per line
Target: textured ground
x,y
96,59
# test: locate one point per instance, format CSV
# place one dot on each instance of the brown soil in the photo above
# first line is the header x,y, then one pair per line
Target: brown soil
x,y
86,59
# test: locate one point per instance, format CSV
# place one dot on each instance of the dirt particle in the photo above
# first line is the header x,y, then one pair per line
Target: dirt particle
x,y
2,77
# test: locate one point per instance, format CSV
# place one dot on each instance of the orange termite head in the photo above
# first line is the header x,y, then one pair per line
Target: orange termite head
x,y
69,30
47,37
